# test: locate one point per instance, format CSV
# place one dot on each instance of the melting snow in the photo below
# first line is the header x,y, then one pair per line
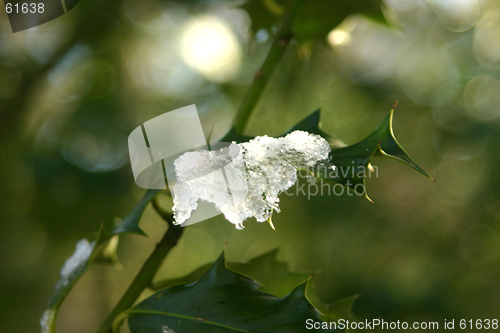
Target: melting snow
x,y
244,180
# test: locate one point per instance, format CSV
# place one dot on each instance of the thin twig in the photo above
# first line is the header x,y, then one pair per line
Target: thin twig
x,y
281,41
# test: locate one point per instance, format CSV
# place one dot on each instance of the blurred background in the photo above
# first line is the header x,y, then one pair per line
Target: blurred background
x,y
71,91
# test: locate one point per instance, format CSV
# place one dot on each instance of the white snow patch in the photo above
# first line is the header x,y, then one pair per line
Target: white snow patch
x,y
244,180
77,261
69,270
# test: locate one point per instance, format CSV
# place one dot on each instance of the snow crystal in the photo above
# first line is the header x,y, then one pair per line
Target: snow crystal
x,y
244,180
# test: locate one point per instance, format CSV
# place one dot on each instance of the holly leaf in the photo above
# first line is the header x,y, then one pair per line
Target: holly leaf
x,y
333,312
351,164
221,301
341,309
233,135
312,124
102,250
275,276
130,223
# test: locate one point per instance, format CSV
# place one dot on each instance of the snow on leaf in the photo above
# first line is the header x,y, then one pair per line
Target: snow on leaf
x,y
244,180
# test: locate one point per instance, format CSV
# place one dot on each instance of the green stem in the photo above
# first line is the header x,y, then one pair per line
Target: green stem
x,y
145,276
281,41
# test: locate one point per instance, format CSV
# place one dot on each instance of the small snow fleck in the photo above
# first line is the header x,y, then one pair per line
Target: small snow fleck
x,y
165,329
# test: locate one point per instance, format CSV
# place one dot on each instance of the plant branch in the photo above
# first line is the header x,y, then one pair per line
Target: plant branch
x,y
145,276
168,217
281,41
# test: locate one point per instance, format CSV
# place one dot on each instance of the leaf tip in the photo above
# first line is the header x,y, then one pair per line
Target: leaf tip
x,y
395,105
271,224
299,291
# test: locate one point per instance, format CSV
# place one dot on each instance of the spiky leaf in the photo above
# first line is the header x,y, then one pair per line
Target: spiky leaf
x,y
130,223
233,135
275,276
312,124
221,301
103,250
350,165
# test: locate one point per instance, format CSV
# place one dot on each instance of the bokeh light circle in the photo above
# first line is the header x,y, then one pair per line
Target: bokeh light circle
x,y
482,97
210,48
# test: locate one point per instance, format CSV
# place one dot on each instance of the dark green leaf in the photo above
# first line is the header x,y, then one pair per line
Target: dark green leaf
x,y
333,312
221,301
350,165
274,275
312,125
309,124
103,249
130,223
233,135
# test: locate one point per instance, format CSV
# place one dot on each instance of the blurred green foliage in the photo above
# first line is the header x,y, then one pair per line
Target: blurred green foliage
x,y
72,90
